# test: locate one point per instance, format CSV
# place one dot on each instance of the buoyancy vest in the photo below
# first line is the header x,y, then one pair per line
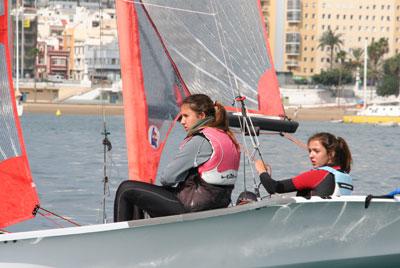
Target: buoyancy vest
x,y
343,181
223,165
210,185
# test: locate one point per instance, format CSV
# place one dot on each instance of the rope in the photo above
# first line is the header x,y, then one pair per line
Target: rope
x,y
48,218
58,216
294,140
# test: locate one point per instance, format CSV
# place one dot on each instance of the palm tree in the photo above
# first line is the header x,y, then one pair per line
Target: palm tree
x,y
357,55
376,51
332,40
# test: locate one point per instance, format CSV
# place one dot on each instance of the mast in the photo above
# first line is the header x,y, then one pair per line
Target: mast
x,y
365,73
17,45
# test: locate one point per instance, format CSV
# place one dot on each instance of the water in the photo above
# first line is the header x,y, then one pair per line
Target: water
x,y
66,159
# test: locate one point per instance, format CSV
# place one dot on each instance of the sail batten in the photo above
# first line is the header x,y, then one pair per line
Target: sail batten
x,y
18,197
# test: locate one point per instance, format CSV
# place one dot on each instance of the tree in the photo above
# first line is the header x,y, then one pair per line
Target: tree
x,y
376,51
357,56
390,84
332,40
332,77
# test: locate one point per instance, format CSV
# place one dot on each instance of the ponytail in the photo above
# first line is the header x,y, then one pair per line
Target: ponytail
x,y
344,157
221,122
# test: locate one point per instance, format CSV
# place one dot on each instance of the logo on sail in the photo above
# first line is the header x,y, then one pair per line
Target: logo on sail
x,y
154,136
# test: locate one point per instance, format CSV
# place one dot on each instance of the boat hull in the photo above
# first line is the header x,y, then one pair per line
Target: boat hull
x,y
292,232
365,119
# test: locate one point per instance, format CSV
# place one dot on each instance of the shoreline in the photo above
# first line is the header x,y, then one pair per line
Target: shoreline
x,y
302,114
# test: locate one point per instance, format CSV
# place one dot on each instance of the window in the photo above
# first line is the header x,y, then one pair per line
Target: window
x,y
323,16
311,70
329,16
351,17
305,59
344,17
312,60
360,17
337,16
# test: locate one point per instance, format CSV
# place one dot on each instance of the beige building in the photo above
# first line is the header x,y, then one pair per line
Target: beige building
x,y
297,25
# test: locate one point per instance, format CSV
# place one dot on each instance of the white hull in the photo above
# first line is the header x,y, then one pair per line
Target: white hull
x,y
290,231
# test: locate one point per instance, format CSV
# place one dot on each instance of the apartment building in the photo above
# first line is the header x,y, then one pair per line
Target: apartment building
x,y
297,25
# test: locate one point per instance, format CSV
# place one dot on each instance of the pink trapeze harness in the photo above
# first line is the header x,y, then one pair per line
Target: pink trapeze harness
x,y
223,165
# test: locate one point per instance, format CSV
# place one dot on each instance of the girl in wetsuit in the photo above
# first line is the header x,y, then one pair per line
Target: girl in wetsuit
x,y
201,176
331,160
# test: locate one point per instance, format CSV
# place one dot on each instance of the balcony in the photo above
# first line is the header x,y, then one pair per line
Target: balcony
x,y
293,11
293,38
292,63
292,49
293,16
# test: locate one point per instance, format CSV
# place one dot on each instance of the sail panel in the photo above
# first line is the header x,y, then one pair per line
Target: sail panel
x,y
151,87
9,144
220,48
18,197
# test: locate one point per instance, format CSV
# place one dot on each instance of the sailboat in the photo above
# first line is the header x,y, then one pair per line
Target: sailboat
x,y
170,49
387,113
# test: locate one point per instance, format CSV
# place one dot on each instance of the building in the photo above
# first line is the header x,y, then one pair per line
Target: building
x,y
27,41
297,25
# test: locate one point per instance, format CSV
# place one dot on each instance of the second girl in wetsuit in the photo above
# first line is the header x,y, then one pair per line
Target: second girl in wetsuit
x,y
331,160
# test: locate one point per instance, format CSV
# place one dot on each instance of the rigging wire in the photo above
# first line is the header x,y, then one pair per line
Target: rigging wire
x,y
54,214
246,122
106,142
168,7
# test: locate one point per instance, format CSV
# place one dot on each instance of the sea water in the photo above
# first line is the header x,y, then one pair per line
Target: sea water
x,y
67,161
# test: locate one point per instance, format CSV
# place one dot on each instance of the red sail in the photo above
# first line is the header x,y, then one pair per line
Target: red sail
x,y
151,90
270,102
169,49
18,197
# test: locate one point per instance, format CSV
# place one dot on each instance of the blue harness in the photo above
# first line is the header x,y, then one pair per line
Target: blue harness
x,y
343,180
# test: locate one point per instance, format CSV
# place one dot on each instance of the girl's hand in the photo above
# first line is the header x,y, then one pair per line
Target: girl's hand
x,y
261,167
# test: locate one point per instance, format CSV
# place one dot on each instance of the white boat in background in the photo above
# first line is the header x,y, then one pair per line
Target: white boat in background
x,y
384,114
171,49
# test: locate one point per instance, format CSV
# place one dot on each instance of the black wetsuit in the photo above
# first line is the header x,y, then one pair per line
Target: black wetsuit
x,y
314,182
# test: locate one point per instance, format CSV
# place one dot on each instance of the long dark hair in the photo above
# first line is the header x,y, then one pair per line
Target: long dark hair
x,y
201,103
337,147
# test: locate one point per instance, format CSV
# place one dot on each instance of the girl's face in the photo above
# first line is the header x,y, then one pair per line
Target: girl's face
x,y
318,154
189,117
